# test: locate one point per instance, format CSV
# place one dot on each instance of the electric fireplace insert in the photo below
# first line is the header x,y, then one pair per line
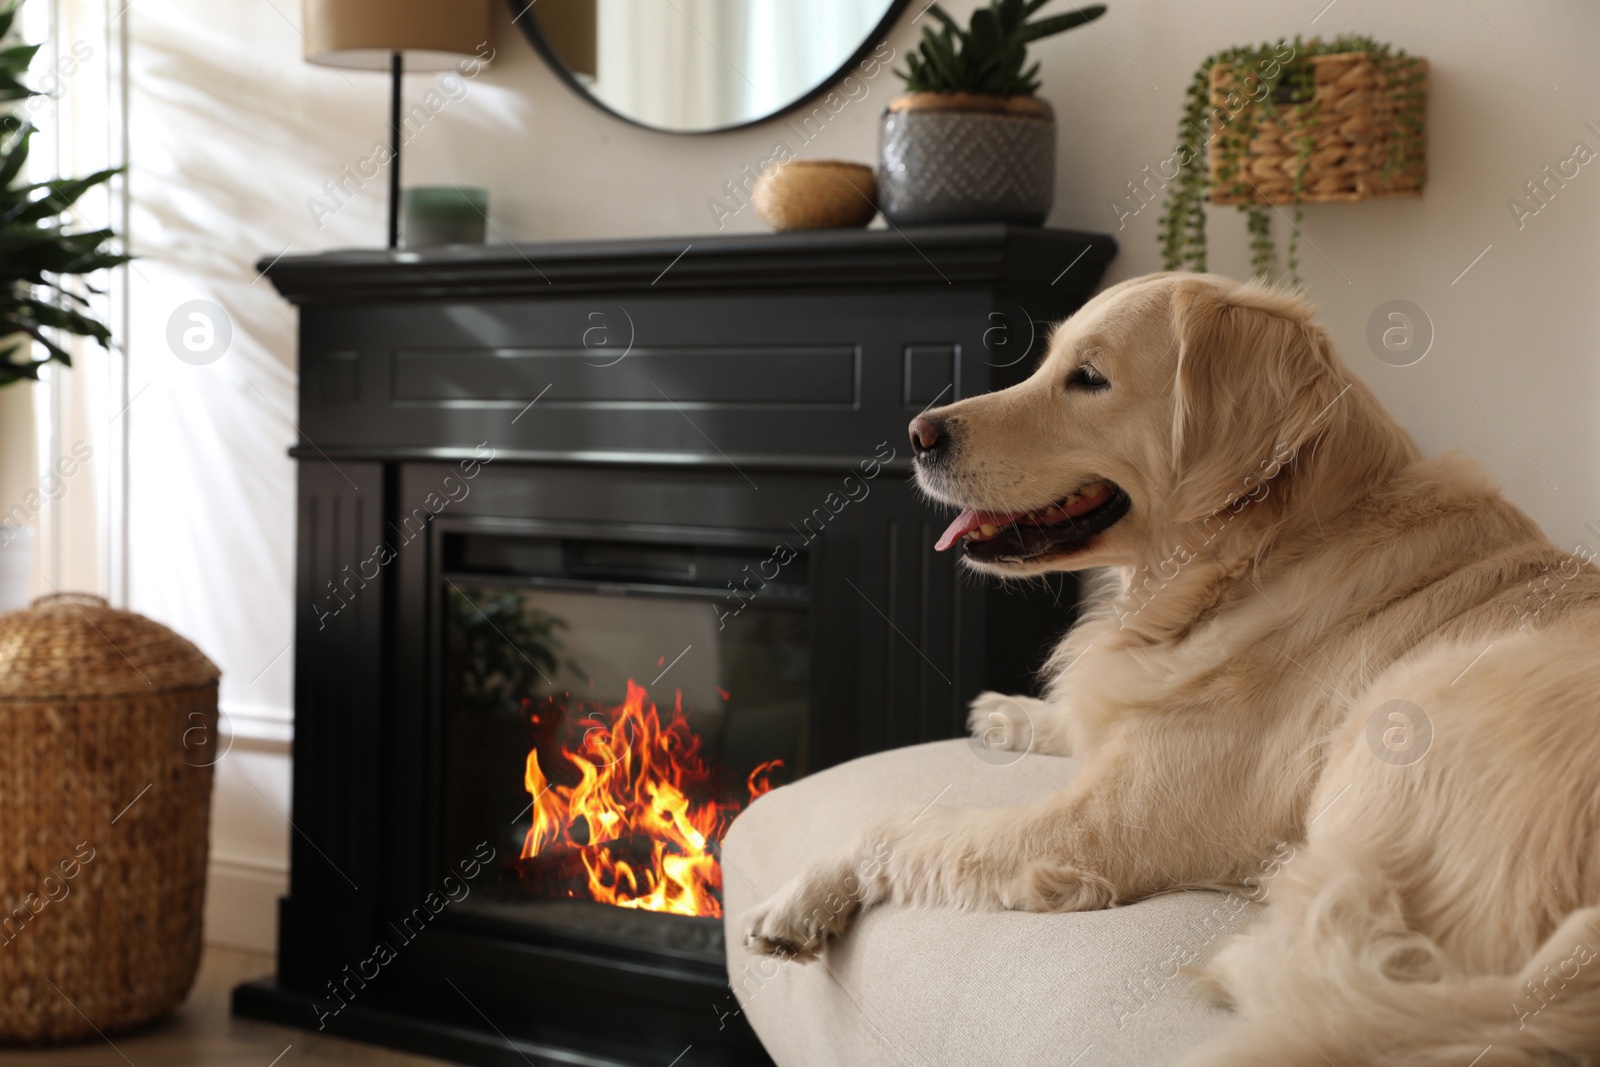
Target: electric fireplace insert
x,y
568,601
592,687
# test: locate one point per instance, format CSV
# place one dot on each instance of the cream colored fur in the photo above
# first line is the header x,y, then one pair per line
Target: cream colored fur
x,y
1290,565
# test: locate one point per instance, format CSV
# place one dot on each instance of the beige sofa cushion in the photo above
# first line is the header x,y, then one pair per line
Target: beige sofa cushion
x,y
930,987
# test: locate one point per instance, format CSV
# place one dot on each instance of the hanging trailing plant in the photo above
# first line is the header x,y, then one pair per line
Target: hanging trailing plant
x,y
1292,122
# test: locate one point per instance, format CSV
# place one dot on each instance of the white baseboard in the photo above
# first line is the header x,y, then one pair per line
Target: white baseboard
x,y
261,726
242,903
249,868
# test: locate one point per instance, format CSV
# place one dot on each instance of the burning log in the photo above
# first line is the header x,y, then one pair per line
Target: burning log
x,y
567,864
637,827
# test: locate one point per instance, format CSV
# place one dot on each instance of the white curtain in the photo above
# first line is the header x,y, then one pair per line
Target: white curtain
x,y
672,62
78,435
802,42
707,63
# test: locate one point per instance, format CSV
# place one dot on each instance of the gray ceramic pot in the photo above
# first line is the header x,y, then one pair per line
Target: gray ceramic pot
x,y
966,157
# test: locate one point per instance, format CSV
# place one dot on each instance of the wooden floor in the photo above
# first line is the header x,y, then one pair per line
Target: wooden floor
x,y
202,1034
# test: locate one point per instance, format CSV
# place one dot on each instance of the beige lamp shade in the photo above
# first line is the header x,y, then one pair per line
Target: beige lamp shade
x,y
365,34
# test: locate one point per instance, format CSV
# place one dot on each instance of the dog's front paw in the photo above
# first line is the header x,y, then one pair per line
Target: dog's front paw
x,y
797,921
1048,886
1001,723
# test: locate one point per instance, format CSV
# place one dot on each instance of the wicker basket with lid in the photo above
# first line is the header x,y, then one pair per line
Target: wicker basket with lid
x,y
108,730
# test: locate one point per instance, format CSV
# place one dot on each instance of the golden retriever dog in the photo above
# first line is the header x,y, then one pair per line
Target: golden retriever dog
x,y
1308,635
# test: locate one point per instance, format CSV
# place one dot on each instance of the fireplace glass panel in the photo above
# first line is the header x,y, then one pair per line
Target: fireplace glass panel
x,y
609,707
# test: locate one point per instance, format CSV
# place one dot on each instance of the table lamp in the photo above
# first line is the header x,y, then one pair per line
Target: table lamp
x,y
389,35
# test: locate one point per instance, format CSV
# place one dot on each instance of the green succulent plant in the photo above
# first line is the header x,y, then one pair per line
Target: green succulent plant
x,y
39,257
988,55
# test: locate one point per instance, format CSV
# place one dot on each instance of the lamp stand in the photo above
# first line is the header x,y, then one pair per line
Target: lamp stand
x,y
397,67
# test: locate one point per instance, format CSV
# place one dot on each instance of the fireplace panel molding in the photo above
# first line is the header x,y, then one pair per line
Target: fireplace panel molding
x,y
787,368
697,377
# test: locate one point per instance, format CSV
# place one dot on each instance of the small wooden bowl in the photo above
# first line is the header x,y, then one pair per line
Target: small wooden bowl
x,y
823,194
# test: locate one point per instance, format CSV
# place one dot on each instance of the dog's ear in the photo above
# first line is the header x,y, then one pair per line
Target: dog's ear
x,y
1256,379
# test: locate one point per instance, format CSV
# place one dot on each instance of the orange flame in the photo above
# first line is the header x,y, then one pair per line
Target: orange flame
x,y
640,818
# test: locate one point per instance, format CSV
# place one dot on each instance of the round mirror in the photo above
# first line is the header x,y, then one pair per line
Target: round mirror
x,y
697,66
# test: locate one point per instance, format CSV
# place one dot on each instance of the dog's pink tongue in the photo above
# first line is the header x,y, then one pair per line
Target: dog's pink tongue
x,y
969,520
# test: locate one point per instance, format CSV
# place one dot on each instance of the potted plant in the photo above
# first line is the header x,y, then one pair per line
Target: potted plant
x,y
1295,122
969,141
39,260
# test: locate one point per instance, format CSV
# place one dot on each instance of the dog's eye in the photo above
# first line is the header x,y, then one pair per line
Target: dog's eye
x,y
1087,377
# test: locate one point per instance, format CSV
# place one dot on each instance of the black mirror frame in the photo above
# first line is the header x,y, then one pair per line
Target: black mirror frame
x,y
520,14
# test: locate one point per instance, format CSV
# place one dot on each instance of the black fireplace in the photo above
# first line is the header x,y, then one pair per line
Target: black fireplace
x,y
598,543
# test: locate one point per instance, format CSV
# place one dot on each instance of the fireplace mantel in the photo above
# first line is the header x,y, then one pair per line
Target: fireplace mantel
x,y
706,395
1021,260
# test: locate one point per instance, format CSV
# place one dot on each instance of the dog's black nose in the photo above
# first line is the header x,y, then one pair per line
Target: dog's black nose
x,y
927,437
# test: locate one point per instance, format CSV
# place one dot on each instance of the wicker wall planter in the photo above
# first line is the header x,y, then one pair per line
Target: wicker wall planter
x,y
107,735
1356,124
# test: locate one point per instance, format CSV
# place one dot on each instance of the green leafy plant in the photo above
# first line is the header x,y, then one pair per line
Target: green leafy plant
x,y
504,645
1275,82
988,55
42,262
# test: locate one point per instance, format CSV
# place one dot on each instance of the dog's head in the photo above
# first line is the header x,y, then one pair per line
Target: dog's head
x,y
1165,400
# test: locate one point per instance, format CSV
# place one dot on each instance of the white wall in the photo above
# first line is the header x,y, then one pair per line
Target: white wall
x,y
233,134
